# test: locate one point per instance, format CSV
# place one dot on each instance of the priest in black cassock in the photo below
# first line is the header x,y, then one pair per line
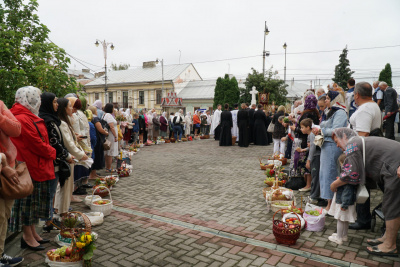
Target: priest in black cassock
x,y
260,131
252,110
243,124
225,138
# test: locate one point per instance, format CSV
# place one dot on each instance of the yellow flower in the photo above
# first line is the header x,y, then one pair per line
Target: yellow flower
x,y
88,238
80,244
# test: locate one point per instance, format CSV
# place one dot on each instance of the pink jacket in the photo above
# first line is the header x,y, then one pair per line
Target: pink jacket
x,y
9,127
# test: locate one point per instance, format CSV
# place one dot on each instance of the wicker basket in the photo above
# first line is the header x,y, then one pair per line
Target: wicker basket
x,y
184,139
263,166
207,136
106,208
265,190
167,141
277,205
74,232
102,193
233,140
285,233
172,140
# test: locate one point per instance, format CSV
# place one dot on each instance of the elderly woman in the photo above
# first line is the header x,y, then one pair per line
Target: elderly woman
x,y
33,138
163,125
142,126
381,166
99,106
156,126
9,127
336,118
149,125
188,123
113,137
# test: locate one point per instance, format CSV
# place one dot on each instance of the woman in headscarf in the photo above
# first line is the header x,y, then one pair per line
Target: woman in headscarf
x,y
34,137
98,150
70,141
301,153
381,166
188,123
48,112
336,118
9,127
279,132
128,129
156,126
149,116
163,125
99,106
196,122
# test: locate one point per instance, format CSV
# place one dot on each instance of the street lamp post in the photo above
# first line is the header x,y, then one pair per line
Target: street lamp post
x,y
105,45
284,47
266,31
162,75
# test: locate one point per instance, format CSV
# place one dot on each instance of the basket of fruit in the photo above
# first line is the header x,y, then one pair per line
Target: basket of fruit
x,y
88,199
100,190
290,209
277,205
184,139
63,257
74,223
105,206
286,232
167,141
265,166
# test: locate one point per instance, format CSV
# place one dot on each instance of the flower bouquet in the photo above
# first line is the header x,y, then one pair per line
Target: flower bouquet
x,y
84,246
120,118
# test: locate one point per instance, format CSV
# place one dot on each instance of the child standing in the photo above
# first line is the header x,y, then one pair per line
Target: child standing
x,y
135,129
279,137
343,208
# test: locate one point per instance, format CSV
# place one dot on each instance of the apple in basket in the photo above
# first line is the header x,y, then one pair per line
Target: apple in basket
x,y
101,202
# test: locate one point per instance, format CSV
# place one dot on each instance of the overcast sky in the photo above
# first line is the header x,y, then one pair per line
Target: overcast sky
x,y
213,30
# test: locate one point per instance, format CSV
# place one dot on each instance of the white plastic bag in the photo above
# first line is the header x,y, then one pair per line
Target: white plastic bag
x,y
96,218
314,223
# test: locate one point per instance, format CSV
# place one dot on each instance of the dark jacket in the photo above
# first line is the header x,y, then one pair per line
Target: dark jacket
x,y
390,99
56,141
164,124
306,115
279,130
135,128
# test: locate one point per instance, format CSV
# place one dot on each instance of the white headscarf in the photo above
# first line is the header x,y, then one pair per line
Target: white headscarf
x,y
29,97
149,115
98,104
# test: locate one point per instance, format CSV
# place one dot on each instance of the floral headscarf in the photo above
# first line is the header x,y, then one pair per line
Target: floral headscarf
x,y
29,97
337,101
310,102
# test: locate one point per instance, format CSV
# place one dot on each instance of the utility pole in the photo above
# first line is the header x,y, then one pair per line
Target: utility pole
x,y
264,52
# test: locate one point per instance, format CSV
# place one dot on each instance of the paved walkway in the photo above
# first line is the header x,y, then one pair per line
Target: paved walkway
x,y
198,204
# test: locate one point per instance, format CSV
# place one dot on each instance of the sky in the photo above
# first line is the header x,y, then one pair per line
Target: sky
x,y
207,32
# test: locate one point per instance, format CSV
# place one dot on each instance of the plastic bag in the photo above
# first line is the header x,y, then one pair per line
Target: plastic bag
x,y
314,223
96,218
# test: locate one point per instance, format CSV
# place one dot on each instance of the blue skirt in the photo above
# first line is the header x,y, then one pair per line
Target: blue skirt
x,y
80,172
329,168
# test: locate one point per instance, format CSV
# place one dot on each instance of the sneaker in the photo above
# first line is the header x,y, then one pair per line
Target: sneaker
x,y
10,261
345,238
335,239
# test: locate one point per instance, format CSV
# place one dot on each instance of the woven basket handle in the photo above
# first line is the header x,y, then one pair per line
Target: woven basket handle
x,y
101,186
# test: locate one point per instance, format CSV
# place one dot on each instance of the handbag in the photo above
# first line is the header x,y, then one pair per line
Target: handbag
x,y
271,127
106,145
21,190
64,171
295,183
362,192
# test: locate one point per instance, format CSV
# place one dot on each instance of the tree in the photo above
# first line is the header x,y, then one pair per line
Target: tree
x,y
275,87
27,57
226,91
122,66
342,70
386,75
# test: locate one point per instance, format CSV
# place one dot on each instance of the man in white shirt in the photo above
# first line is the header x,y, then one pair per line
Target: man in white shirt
x,y
364,120
378,95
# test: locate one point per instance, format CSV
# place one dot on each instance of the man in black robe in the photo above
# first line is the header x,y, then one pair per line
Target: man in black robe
x,y
243,124
225,138
260,131
251,123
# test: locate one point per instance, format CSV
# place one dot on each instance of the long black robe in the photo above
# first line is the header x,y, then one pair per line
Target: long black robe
x,y
260,131
251,125
225,138
243,124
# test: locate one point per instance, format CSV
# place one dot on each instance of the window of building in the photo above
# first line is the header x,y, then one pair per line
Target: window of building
x,y
158,96
110,97
196,108
96,96
125,99
141,97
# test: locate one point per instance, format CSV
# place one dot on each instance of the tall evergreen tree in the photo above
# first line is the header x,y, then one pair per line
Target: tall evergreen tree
x,y
27,57
386,75
218,93
342,70
231,94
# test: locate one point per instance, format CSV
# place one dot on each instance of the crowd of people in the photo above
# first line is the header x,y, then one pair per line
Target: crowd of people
x,y
65,141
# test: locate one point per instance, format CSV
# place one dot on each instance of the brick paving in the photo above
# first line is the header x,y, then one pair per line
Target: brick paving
x,y
200,183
